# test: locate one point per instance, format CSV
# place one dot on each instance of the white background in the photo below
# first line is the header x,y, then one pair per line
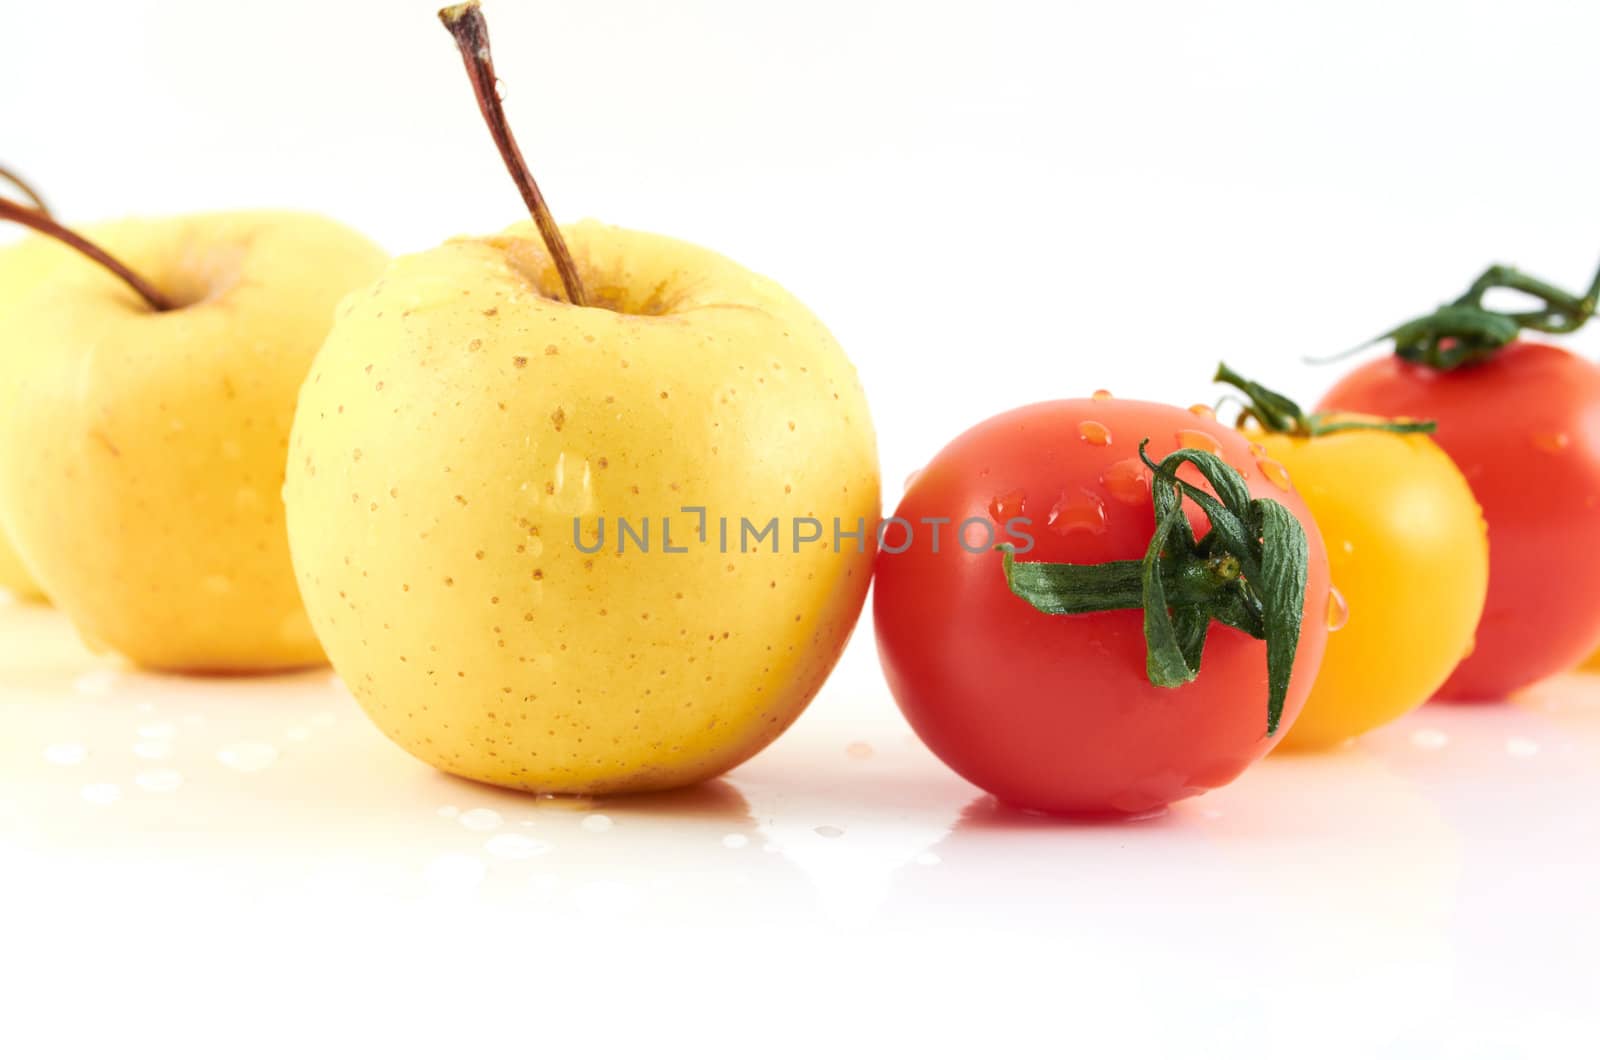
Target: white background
x,y
989,203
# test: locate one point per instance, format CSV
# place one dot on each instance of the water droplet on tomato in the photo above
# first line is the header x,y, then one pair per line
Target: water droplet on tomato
x,y
1338,610
1200,440
1205,412
1006,506
1085,511
912,477
1101,395
1552,442
1094,433
1128,481
1275,472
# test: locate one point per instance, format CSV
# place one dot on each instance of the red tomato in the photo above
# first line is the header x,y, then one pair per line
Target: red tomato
x,y
1524,427
1056,712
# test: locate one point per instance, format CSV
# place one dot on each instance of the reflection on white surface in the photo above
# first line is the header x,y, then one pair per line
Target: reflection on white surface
x,y
1439,872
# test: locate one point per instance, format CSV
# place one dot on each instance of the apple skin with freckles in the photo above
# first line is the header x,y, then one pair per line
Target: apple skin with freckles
x,y
462,416
142,452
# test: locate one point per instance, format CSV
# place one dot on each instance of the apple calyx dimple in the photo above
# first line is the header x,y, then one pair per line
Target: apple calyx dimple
x,y
471,32
42,222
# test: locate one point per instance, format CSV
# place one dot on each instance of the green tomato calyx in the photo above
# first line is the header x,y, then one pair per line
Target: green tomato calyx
x,y
1277,414
1466,332
1248,571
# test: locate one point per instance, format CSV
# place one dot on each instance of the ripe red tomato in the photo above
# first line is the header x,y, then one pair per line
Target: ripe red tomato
x,y
1056,712
1524,428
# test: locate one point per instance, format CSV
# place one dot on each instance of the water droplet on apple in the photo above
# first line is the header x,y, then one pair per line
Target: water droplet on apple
x,y
1101,395
1205,412
295,628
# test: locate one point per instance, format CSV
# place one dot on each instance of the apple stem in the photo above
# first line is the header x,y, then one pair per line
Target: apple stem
x,y
13,178
41,222
471,32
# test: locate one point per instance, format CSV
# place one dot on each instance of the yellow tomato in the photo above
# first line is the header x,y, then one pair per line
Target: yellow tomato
x,y
1408,551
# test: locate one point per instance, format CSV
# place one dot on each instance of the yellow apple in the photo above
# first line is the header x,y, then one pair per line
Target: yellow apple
x,y
464,436
14,577
142,452
22,267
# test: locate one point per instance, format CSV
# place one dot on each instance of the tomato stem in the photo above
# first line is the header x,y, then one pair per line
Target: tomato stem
x,y
1277,414
1466,332
1249,572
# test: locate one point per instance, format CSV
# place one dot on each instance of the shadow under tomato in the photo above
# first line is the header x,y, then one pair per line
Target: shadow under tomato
x,y
988,813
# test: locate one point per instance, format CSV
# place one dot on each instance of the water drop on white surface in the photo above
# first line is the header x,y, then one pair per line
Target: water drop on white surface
x,y
828,831
515,847
1517,747
161,730
1429,739
481,820
860,750
597,822
65,754
95,683
248,756
455,873
101,794
735,841
160,781
152,749
448,811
